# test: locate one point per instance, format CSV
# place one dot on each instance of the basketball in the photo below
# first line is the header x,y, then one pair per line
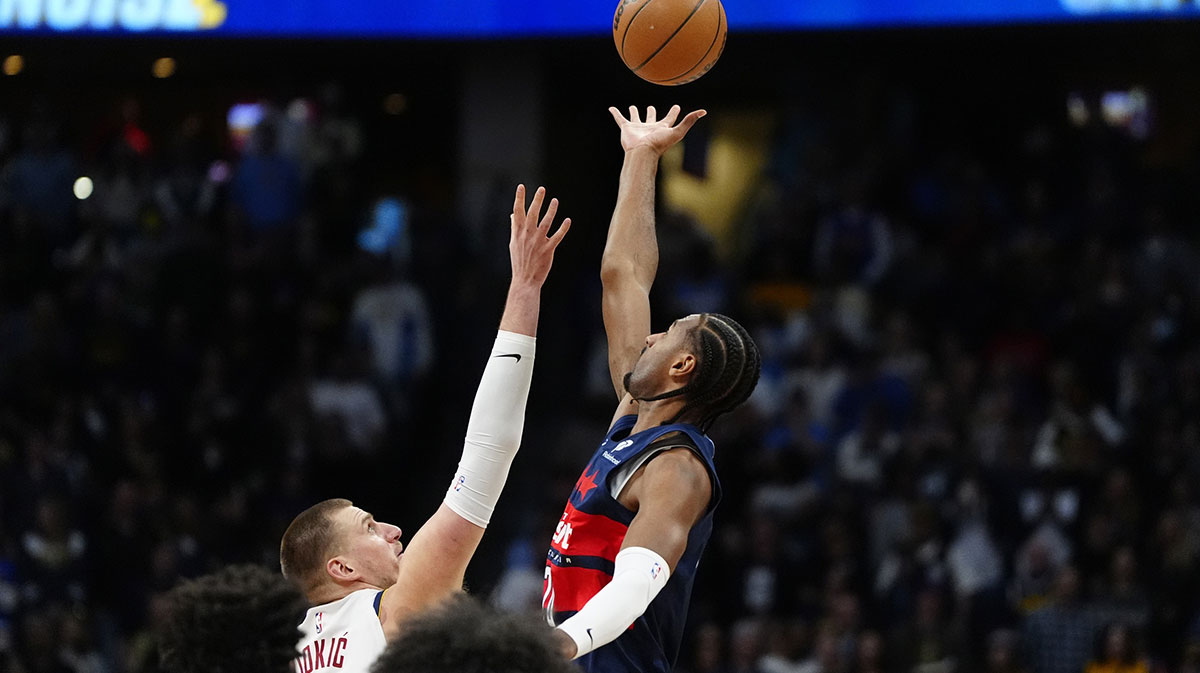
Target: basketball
x,y
670,42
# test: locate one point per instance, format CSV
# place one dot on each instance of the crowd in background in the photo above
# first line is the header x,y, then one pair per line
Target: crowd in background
x,y
975,445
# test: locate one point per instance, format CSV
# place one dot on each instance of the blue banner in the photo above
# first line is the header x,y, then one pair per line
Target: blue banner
x,y
515,18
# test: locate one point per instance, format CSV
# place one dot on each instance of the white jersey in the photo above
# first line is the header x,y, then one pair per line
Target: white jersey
x,y
344,635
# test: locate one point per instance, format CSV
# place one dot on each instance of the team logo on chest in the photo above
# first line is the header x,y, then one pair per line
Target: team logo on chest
x,y
587,482
608,455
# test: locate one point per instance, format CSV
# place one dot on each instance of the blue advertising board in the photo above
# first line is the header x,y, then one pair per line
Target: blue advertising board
x,y
516,18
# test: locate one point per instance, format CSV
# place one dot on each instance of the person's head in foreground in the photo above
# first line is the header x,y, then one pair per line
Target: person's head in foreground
x,y
464,636
333,547
707,358
241,619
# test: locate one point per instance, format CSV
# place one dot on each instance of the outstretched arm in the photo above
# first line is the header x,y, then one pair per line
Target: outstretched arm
x,y
436,558
630,259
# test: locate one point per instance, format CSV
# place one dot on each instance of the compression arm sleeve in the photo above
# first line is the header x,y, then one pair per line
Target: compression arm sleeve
x,y
639,575
494,431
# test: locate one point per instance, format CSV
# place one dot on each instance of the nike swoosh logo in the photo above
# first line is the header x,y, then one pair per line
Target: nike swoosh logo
x,y
515,356
590,638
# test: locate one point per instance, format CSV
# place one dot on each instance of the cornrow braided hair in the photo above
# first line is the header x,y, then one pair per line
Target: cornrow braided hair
x,y
727,369
241,619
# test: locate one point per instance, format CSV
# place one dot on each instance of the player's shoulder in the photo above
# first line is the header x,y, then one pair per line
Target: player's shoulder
x,y
354,602
679,464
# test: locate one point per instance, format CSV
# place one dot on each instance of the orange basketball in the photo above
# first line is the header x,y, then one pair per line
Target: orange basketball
x,y
670,42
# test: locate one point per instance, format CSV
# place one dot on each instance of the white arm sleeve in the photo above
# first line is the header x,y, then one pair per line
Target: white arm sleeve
x,y
639,575
494,431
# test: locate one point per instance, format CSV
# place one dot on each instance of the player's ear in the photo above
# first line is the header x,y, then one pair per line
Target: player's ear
x,y
683,366
339,568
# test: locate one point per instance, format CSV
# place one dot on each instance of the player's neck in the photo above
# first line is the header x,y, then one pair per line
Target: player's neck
x,y
658,412
331,592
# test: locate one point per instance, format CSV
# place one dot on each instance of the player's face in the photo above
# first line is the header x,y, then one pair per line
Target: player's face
x,y
664,351
371,547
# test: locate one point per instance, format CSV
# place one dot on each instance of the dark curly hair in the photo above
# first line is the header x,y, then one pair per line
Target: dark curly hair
x,y
241,619
463,636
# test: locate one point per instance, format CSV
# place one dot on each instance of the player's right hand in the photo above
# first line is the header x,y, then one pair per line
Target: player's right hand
x,y
531,245
655,134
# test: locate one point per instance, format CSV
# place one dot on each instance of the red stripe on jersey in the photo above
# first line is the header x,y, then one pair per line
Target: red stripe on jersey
x,y
574,587
588,535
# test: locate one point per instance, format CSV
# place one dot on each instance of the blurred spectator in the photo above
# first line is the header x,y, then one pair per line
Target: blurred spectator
x,y
1039,564
78,649
825,657
1003,652
1059,637
54,553
40,178
1122,598
707,651
870,654
853,245
786,641
929,643
746,646
1117,653
349,407
519,589
266,185
390,317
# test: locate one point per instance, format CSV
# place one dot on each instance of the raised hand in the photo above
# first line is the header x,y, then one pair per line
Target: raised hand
x,y
531,245
658,135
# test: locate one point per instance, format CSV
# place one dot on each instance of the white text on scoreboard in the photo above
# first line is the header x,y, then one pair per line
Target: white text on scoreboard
x,y
134,15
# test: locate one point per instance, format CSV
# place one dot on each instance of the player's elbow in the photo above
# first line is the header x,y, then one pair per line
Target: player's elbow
x,y
622,279
615,271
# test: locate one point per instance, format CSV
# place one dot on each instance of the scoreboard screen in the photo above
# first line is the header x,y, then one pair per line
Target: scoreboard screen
x,y
530,18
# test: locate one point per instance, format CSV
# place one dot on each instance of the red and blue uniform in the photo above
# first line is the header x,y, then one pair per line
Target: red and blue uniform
x,y
589,535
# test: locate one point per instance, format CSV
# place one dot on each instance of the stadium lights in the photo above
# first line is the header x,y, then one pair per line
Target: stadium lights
x,y
83,188
14,64
163,67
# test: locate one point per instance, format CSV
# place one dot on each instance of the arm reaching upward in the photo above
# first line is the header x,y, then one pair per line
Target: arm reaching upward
x,y
436,559
630,259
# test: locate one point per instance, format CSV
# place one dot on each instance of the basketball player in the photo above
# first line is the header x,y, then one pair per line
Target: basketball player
x,y
622,560
349,565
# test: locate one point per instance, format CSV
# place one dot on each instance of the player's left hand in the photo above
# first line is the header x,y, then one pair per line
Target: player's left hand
x,y
658,135
531,245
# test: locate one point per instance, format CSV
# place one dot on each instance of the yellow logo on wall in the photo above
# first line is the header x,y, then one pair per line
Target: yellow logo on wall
x,y
133,15
212,13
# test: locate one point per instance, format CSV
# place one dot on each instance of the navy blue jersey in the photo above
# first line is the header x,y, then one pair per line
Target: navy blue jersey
x,y
589,535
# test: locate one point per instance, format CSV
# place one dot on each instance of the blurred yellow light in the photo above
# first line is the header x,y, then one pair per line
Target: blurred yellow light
x,y
395,104
163,67
83,188
14,64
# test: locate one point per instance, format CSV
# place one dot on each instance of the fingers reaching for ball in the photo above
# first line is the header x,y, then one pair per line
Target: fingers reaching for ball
x,y
656,134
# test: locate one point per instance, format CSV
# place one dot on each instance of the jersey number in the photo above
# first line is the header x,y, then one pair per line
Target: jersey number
x,y
562,535
548,599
